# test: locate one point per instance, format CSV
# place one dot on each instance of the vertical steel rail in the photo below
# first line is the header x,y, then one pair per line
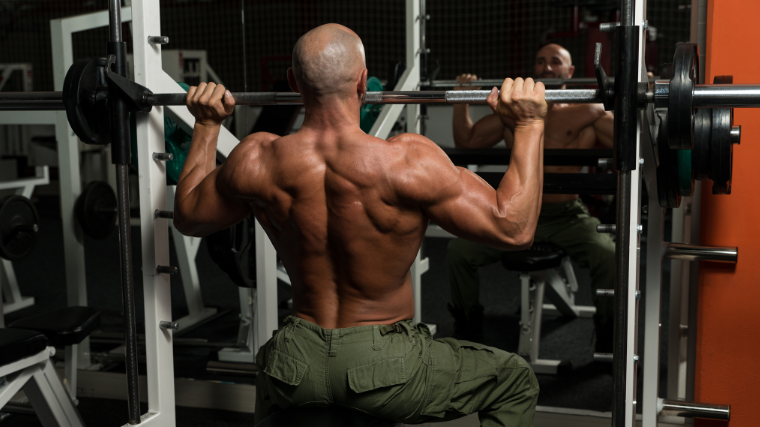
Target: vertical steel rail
x,y
626,160
121,157
154,232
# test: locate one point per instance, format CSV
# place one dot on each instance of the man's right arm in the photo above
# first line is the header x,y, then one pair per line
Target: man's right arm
x,y
463,203
486,133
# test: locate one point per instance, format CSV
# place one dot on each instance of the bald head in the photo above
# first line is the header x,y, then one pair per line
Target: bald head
x,y
553,61
328,61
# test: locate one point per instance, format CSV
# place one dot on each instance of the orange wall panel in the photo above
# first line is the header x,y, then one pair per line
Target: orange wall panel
x,y
728,342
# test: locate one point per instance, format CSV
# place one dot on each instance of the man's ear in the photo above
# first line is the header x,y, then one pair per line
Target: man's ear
x,y
361,86
570,71
292,81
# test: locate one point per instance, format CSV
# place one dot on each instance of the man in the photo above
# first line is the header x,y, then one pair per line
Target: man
x,y
347,213
564,219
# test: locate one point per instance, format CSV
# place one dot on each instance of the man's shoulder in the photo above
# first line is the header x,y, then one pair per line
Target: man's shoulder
x,y
258,138
413,142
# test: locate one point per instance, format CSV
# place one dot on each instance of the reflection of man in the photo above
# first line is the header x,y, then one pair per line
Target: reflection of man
x,y
564,219
347,213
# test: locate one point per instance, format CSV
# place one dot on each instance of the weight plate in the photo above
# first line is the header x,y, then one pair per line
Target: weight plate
x,y
721,150
234,251
667,174
680,98
700,154
685,173
85,96
721,147
19,223
96,210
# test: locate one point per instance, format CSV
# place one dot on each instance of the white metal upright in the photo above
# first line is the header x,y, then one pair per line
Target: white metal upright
x,y
631,356
154,232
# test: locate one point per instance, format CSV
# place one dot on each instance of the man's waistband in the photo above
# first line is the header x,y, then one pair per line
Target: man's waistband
x,y
354,331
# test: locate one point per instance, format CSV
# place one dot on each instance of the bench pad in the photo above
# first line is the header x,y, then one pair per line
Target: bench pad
x,y
541,256
63,327
17,344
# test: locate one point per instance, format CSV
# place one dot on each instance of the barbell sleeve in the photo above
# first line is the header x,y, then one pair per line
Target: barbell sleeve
x,y
679,408
727,96
701,253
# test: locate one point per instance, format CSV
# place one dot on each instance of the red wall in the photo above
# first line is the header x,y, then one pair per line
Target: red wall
x,y
728,342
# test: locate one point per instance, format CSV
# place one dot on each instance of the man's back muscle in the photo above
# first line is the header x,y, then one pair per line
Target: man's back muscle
x,y
329,205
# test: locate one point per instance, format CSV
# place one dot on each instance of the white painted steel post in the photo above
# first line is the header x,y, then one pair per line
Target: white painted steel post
x,y
679,303
410,79
154,232
413,21
634,242
70,182
187,249
652,306
266,288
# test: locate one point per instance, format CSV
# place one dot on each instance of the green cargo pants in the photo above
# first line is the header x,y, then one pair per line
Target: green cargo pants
x,y
567,225
395,372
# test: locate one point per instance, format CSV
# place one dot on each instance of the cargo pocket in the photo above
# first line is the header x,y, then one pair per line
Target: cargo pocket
x,y
442,372
477,377
285,368
383,373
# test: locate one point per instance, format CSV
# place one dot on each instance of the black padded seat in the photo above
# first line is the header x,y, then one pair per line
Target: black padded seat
x,y
541,256
334,416
63,327
17,344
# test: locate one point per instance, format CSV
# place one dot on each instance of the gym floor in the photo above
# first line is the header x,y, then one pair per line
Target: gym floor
x,y
42,276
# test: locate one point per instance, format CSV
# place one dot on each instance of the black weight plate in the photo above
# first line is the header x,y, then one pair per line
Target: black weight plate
x,y
234,251
680,98
667,172
700,154
85,99
721,150
96,210
19,223
721,147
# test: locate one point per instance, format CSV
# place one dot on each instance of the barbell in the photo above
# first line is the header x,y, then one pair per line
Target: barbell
x,y
677,98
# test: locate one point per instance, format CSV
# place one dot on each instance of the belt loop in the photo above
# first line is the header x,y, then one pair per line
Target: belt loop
x,y
334,333
289,328
377,343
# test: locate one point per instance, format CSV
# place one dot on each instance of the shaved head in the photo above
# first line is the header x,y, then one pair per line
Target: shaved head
x,y
553,61
328,61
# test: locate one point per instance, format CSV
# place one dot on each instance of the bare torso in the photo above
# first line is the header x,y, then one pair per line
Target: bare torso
x,y
347,212
345,239
567,126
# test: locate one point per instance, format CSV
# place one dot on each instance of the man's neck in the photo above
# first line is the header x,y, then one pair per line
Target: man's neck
x,y
332,114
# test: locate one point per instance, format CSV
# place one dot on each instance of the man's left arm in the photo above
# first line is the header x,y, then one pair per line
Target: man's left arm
x,y
604,127
206,200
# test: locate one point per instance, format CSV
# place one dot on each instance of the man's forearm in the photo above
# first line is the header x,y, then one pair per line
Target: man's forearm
x,y
201,158
462,125
521,189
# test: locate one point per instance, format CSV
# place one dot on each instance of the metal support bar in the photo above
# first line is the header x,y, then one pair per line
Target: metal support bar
x,y
694,410
701,253
606,228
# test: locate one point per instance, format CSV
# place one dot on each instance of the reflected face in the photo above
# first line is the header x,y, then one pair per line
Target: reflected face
x,y
553,61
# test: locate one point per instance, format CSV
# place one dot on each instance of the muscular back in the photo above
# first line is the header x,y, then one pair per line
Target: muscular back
x,y
330,206
346,211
